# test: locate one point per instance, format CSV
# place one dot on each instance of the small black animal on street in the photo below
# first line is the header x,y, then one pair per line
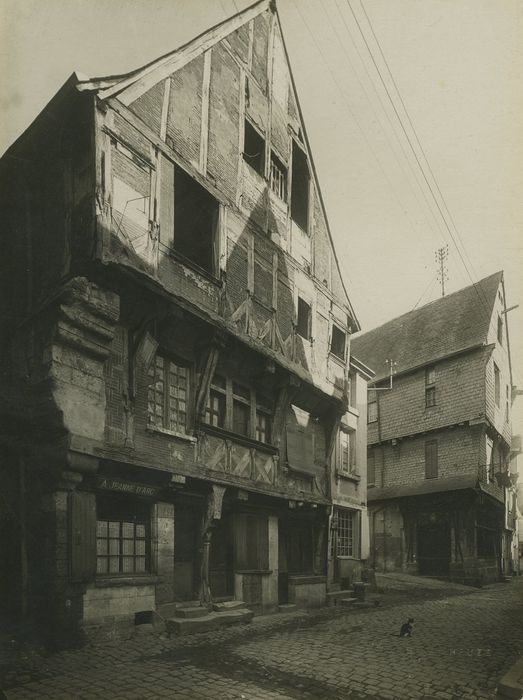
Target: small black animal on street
x,y
406,628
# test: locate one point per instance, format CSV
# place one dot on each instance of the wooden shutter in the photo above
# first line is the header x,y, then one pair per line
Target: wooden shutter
x,y
300,449
252,542
431,459
166,202
82,535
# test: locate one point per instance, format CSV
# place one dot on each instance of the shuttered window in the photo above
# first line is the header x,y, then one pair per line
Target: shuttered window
x,y
82,519
431,459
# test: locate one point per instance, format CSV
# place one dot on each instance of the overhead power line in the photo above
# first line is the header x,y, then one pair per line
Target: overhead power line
x,y
409,140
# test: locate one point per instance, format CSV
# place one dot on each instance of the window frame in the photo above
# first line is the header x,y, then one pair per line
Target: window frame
x,y
430,387
230,398
296,210
346,466
345,533
168,361
497,386
373,402
431,459
337,327
248,125
279,184
308,322
103,507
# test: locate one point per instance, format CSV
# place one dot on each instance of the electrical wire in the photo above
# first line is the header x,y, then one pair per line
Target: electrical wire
x,y
416,156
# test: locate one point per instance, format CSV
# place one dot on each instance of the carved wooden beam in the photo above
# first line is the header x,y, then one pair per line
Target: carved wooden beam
x,y
333,427
208,365
212,514
286,394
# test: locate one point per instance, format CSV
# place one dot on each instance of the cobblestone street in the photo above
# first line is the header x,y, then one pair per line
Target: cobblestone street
x,y
463,641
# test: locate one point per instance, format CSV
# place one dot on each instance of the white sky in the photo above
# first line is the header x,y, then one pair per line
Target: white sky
x,y
458,65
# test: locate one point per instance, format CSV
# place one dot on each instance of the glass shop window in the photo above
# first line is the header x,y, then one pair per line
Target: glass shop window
x,y
122,536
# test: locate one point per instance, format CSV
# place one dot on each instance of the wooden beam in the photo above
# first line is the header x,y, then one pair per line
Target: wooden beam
x,y
208,366
288,390
204,130
165,108
132,87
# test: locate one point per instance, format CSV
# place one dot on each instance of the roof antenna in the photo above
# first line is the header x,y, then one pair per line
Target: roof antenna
x,y
440,256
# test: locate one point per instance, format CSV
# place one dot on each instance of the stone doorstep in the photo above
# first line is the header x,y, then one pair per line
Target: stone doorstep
x,y
333,597
511,685
191,612
347,602
287,607
228,605
208,622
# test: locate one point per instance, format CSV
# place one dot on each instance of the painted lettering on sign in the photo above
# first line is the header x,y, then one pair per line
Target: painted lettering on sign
x,y
126,487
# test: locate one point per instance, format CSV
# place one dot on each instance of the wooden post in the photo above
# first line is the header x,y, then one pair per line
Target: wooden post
x,y
212,514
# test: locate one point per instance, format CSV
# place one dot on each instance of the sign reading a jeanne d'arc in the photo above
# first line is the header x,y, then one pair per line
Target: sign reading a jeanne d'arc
x,y
110,484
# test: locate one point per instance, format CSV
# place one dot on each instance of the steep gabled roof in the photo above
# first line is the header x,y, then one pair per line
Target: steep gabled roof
x,y
140,80
129,87
449,325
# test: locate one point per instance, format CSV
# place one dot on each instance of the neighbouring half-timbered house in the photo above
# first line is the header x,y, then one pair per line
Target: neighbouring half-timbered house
x,y
441,500
175,344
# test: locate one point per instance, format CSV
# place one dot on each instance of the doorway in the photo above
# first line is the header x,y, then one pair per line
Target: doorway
x,y
433,549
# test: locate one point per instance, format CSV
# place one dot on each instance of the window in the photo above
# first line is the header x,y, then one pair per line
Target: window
x,y
254,148
196,215
371,469
300,187
262,426
122,536
345,533
216,404
430,387
346,451
338,342
230,405
278,177
497,385
372,410
500,330
431,459
241,409
303,323
168,394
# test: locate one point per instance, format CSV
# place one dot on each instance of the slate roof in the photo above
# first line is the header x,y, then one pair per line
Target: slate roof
x,y
454,323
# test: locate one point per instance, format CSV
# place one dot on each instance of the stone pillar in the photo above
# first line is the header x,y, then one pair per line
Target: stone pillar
x,y
163,547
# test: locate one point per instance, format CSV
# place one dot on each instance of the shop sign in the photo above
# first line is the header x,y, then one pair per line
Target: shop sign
x,y
130,487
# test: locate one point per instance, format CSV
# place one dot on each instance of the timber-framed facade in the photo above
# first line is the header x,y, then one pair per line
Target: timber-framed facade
x,y
176,361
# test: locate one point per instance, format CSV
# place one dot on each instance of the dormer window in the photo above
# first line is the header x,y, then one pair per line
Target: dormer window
x,y
254,148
